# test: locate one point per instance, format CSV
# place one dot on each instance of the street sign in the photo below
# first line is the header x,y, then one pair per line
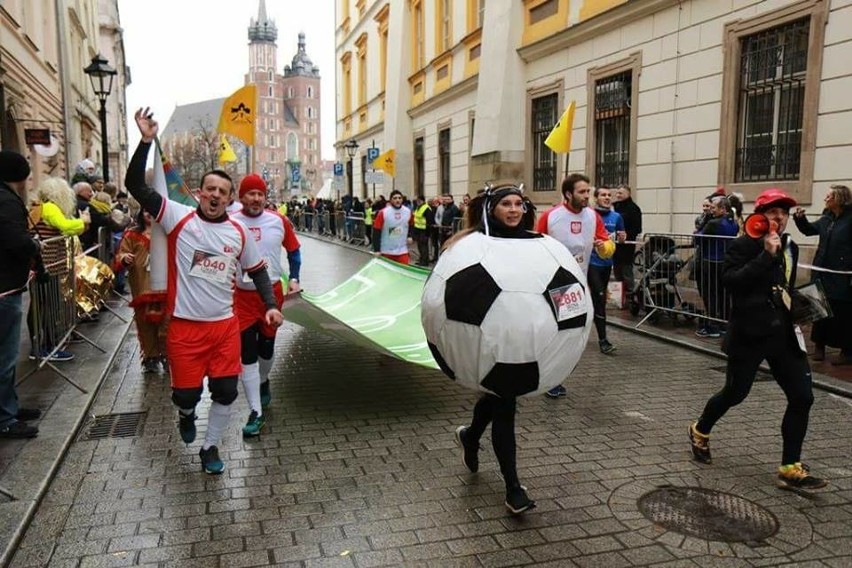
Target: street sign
x,y
372,154
338,169
296,176
337,185
374,176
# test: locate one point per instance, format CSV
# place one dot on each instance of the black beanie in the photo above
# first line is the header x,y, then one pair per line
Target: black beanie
x,y
13,166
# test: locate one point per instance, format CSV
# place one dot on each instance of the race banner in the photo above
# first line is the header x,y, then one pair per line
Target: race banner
x,y
377,308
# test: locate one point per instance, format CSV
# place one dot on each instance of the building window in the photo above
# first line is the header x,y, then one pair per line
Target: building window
x,y
418,55
346,60
270,91
310,92
773,68
544,11
443,27
545,113
269,75
612,129
292,146
419,178
480,13
444,160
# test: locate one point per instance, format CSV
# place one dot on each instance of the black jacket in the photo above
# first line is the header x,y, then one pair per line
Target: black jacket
x,y
451,212
18,250
834,251
750,274
632,215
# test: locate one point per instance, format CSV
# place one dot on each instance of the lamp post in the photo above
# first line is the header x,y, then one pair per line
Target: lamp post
x,y
351,149
101,74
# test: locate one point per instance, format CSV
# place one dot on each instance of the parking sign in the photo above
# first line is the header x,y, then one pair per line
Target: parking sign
x,y
338,169
372,154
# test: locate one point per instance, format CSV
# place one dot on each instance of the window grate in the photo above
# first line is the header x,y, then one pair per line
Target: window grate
x,y
773,70
612,129
119,425
544,117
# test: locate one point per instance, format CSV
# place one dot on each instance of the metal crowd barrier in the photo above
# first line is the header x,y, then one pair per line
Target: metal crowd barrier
x,y
356,229
680,275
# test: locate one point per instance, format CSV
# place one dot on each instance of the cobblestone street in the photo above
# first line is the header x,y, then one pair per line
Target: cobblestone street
x,y
358,467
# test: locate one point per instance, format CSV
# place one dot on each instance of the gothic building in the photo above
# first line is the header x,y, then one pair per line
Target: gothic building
x,y
287,125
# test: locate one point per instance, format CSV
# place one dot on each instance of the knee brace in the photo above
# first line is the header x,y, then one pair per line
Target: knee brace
x,y
266,347
248,345
223,389
186,398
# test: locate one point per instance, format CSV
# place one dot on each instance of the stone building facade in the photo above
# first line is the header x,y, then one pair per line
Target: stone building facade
x,y
111,43
673,97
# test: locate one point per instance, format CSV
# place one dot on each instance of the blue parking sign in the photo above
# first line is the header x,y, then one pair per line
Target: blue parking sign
x,y
338,169
372,154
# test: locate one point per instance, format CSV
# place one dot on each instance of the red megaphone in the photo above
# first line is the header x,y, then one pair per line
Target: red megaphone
x,y
758,225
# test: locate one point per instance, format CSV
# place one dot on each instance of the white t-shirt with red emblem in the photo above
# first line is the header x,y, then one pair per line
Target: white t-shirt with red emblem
x,y
577,230
203,258
270,232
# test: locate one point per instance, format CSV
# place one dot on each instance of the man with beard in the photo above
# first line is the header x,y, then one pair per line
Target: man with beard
x,y
204,247
390,230
270,231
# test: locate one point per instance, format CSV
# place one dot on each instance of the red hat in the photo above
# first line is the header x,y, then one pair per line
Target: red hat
x,y
250,182
773,198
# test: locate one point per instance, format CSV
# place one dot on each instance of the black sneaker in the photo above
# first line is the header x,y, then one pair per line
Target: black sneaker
x,y
210,462
470,454
18,430
186,427
556,392
700,444
797,476
517,500
28,414
151,366
606,347
265,394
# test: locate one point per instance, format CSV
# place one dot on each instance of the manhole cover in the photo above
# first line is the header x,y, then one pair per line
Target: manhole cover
x,y
708,514
120,425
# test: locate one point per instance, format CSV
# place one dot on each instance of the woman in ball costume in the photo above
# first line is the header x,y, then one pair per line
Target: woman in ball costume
x,y
500,212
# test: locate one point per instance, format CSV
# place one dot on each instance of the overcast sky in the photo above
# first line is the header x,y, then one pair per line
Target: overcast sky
x,y
184,51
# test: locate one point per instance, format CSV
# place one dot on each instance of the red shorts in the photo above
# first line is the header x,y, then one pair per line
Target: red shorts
x,y
197,349
400,258
250,309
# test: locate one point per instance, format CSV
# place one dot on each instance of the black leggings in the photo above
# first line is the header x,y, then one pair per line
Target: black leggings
x,y
501,413
598,279
253,344
791,371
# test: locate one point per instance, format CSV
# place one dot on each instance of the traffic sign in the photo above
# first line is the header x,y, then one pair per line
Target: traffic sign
x,y
372,154
374,176
338,169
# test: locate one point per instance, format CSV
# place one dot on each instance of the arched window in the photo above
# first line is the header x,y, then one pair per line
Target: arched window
x,y
270,74
292,146
270,91
309,112
310,92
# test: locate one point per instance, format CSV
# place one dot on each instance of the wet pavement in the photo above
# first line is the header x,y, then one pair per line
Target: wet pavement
x,y
358,467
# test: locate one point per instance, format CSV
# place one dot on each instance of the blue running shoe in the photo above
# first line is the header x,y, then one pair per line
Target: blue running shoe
x,y
556,392
210,462
186,427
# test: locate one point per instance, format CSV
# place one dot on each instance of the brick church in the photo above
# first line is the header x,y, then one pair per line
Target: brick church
x,y
287,125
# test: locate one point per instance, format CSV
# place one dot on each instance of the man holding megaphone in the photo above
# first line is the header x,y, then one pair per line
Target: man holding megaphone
x,y
759,272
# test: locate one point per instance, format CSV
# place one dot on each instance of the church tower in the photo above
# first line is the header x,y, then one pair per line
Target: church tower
x,y
268,154
301,85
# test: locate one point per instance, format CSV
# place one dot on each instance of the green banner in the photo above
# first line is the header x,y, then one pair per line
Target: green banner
x,y
377,308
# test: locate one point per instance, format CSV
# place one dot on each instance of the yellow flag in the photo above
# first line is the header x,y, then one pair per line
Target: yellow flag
x,y
238,114
559,139
386,162
226,153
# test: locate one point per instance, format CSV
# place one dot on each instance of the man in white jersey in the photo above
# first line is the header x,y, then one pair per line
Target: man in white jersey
x,y
204,248
577,226
391,228
271,232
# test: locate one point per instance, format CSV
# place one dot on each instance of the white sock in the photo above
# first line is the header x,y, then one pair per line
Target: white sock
x,y
251,386
265,366
217,422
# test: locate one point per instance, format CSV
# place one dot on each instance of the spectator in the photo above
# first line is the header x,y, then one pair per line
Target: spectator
x,y
132,256
368,220
448,218
834,252
712,243
53,217
20,252
624,252
423,218
437,207
98,213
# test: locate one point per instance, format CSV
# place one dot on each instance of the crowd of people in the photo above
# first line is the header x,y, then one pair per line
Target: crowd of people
x,y
225,287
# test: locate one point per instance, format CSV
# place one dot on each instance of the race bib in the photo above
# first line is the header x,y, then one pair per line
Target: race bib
x,y
210,267
395,231
579,258
568,301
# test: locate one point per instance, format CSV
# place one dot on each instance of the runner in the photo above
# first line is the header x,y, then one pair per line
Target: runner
x,y
271,231
204,247
390,230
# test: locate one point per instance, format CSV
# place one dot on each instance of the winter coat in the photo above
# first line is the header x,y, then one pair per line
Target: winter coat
x,y
834,251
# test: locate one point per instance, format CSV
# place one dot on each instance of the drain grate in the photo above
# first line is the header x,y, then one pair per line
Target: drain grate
x,y
119,425
708,514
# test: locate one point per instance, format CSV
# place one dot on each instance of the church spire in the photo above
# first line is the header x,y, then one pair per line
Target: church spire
x,y
262,29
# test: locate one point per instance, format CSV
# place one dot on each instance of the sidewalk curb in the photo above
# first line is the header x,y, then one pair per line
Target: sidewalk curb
x,y
822,382
11,546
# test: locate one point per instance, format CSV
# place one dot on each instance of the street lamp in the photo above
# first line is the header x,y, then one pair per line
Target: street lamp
x,y
351,149
101,74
